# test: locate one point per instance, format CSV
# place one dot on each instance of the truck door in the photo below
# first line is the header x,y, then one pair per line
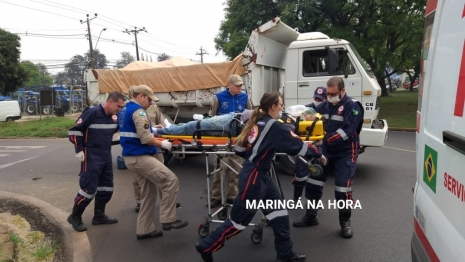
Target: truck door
x,y
318,65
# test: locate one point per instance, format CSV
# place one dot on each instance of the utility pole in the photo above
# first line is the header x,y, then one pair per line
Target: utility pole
x,y
135,31
92,62
201,54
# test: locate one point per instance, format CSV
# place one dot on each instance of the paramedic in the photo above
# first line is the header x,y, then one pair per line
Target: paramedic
x,y
230,100
92,135
139,152
343,118
257,144
302,173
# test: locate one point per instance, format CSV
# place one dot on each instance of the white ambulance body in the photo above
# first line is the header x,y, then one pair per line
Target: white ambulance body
x,y
439,193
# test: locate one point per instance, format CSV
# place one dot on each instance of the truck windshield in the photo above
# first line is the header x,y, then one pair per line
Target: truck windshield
x,y
362,62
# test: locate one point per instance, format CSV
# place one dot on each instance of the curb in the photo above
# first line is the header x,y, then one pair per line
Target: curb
x,y
402,129
77,244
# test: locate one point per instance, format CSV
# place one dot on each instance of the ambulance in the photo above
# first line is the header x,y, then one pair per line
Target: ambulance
x,y
439,192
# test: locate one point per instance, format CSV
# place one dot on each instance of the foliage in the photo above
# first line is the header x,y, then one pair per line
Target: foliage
x,y
126,59
75,70
47,127
12,75
100,59
163,57
399,109
385,33
37,75
62,79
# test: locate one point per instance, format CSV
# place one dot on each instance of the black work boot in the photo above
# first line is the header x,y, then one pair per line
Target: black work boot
x,y
344,221
207,257
309,219
99,215
174,225
296,258
75,219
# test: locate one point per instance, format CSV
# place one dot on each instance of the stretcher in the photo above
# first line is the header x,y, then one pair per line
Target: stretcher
x,y
219,147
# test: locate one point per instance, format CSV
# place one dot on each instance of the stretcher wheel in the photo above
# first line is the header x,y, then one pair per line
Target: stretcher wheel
x,y
315,170
203,230
223,214
256,237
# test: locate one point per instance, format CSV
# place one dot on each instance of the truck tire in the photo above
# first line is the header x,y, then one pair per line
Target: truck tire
x,y
9,119
31,109
46,110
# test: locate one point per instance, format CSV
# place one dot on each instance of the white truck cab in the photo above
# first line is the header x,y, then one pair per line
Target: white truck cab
x,y
278,57
439,192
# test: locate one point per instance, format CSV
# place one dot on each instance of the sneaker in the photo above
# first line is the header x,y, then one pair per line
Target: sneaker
x,y
207,257
152,234
174,225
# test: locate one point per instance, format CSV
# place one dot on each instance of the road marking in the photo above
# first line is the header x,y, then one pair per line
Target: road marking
x,y
400,149
11,151
13,163
25,147
4,155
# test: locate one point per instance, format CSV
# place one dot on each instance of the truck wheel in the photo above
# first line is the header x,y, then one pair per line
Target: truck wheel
x,y
74,108
31,109
10,119
46,110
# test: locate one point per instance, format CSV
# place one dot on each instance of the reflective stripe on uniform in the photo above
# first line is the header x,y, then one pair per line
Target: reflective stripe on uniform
x,y
84,194
342,133
275,214
326,116
103,126
260,139
128,134
239,148
237,226
300,179
337,118
315,182
105,188
75,133
343,189
304,149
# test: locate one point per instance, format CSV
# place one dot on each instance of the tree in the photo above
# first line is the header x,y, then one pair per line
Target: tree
x,y
62,79
32,74
163,57
12,75
75,69
126,59
241,17
101,61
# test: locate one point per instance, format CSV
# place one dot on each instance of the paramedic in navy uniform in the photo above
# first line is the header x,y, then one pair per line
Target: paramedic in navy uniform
x,y
230,100
343,119
257,144
92,136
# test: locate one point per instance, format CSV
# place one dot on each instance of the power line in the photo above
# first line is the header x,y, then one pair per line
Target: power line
x,y
135,31
40,10
201,54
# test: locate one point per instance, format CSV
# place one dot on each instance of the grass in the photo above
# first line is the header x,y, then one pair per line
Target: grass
x,y
15,238
399,108
47,127
44,250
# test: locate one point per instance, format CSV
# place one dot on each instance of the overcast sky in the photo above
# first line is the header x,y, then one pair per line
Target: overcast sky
x,y
55,34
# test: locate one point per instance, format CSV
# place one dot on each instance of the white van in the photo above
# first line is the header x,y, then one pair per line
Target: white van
x,y
9,111
439,192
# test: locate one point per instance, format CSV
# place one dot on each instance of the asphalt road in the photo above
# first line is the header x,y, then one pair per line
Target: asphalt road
x,y
48,170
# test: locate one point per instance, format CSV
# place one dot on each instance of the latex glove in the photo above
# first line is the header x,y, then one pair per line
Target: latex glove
x,y
166,144
80,156
323,160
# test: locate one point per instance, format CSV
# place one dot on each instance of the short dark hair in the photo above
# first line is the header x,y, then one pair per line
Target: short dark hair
x,y
336,81
116,96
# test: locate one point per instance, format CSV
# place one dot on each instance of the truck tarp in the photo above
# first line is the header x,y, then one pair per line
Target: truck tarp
x,y
169,78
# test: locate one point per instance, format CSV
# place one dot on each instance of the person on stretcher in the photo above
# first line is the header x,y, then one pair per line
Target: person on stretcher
x,y
222,123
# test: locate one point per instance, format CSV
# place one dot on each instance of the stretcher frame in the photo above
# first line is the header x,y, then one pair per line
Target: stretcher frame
x,y
220,147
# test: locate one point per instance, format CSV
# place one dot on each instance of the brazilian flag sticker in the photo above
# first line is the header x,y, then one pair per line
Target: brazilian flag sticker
x,y
430,167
